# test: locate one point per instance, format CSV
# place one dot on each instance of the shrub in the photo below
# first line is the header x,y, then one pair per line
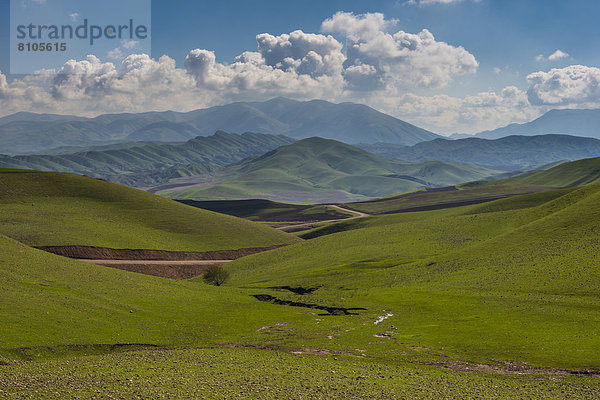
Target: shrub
x,y
215,275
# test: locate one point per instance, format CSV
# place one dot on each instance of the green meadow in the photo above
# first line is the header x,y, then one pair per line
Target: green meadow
x,y
493,300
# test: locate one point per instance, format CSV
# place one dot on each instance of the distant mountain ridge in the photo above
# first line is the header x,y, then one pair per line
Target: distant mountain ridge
x,y
26,133
508,153
584,123
317,170
218,150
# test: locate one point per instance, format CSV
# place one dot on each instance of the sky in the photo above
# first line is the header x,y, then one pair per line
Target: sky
x,y
450,66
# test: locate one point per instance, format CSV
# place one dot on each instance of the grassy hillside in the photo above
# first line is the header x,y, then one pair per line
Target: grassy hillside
x,y
513,283
45,209
506,290
233,373
564,175
573,174
49,300
321,170
449,197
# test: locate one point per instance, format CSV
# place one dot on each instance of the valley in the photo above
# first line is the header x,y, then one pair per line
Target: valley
x,y
353,273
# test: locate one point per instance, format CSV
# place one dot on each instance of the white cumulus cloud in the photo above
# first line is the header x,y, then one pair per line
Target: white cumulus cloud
x,y
376,59
380,66
557,55
471,114
576,85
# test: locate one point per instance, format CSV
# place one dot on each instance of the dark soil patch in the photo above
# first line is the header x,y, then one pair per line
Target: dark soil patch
x,y
265,210
105,253
330,310
297,290
179,272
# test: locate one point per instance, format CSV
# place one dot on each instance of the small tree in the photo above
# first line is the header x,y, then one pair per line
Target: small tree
x,y
215,275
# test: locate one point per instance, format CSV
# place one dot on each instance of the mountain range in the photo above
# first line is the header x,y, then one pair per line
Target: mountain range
x,y
584,123
197,155
27,133
508,153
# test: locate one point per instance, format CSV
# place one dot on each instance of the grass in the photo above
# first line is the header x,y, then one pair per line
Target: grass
x,y
516,284
572,174
252,373
54,209
513,282
447,198
565,175
507,204
48,300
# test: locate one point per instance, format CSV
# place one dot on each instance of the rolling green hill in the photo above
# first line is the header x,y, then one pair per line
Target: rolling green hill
x,y
498,299
320,170
519,282
564,175
573,174
154,162
90,328
55,209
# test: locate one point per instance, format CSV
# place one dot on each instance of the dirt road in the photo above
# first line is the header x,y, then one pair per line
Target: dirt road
x,y
307,225
357,214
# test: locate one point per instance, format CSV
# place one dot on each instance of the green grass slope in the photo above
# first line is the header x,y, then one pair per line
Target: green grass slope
x,y
564,175
498,289
572,174
433,199
513,284
49,300
321,170
54,209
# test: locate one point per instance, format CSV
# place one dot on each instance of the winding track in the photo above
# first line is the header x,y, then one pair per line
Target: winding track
x,y
308,225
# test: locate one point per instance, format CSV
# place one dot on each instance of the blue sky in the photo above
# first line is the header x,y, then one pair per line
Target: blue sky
x,y
500,33
483,64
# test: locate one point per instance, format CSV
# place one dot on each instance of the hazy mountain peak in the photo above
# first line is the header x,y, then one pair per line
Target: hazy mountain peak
x,y
573,122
